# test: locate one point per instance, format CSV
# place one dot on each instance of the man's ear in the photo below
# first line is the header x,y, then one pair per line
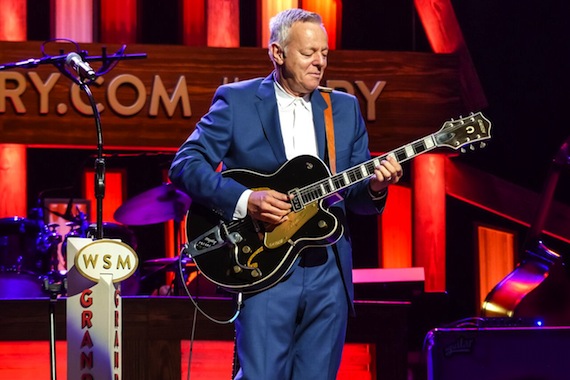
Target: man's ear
x,y
278,53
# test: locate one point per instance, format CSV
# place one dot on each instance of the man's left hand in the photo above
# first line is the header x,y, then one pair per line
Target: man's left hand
x,y
388,172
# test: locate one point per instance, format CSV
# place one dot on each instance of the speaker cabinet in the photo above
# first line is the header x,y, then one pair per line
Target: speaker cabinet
x,y
513,353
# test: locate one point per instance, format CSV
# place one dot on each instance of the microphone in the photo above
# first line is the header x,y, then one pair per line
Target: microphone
x,y
77,63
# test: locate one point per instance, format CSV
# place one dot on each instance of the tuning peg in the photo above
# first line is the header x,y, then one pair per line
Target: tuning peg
x,y
471,147
463,150
482,145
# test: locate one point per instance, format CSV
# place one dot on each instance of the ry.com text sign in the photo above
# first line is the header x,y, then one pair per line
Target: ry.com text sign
x,y
155,102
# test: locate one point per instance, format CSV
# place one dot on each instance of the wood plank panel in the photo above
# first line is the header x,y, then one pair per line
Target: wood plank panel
x,y
154,327
505,199
445,36
40,107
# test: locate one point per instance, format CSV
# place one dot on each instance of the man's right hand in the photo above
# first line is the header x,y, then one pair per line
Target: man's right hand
x,y
268,206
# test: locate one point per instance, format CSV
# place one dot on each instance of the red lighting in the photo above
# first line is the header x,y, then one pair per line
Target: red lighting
x,y
119,21
428,172
13,20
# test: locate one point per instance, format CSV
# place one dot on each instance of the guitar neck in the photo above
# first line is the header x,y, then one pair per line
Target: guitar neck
x,y
349,177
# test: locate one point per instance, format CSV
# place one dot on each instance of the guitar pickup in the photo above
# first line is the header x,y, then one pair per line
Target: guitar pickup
x,y
296,202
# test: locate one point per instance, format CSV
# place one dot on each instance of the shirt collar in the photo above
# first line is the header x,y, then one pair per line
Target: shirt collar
x,y
286,100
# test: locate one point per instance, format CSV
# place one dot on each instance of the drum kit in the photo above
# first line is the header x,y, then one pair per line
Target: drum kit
x,y
32,251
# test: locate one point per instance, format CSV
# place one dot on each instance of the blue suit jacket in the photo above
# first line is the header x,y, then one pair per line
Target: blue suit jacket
x,y
242,130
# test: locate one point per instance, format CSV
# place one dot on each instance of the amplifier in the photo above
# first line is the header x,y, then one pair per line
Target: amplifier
x,y
525,353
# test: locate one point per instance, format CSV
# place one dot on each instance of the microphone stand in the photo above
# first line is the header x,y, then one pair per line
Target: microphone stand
x,y
99,161
109,61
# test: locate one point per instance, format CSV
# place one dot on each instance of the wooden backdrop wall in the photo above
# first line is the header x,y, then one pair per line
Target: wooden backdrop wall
x,y
153,103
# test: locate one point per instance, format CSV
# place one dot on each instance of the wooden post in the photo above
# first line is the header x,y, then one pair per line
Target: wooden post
x,y
428,213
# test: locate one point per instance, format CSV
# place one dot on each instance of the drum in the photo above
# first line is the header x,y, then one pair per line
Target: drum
x,y
19,239
115,231
21,262
110,231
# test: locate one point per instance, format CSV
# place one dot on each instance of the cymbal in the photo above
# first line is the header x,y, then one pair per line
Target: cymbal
x,y
169,261
158,205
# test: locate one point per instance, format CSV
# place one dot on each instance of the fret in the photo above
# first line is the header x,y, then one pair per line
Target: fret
x,y
419,147
349,175
331,185
345,178
317,193
354,175
401,155
357,173
313,193
338,182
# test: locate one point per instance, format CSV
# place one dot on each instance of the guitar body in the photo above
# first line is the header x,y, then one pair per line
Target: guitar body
x,y
260,257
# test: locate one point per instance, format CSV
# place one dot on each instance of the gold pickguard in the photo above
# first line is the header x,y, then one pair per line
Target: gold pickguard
x,y
283,232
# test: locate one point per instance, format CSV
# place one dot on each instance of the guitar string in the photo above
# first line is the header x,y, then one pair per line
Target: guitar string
x,y
314,192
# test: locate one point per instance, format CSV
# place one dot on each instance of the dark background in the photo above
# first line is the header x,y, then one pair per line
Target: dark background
x,y
520,52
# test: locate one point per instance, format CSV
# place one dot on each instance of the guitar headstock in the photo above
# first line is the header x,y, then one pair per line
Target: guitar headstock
x,y
465,131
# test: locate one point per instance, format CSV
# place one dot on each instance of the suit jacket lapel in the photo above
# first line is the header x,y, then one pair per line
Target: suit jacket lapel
x,y
269,117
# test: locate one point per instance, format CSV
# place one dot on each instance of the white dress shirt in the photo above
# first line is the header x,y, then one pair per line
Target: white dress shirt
x,y
297,130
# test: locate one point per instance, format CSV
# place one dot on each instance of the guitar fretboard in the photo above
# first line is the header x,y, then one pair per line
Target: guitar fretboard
x,y
453,134
347,178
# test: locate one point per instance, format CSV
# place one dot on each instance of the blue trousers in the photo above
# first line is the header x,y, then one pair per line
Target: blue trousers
x,y
296,329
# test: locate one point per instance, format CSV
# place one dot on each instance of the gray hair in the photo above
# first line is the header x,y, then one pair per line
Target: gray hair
x,y
281,23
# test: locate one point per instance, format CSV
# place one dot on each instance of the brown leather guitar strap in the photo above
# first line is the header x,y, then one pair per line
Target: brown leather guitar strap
x,y
330,131
332,165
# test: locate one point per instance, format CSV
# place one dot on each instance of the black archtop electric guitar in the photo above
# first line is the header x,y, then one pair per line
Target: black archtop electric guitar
x,y
246,256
